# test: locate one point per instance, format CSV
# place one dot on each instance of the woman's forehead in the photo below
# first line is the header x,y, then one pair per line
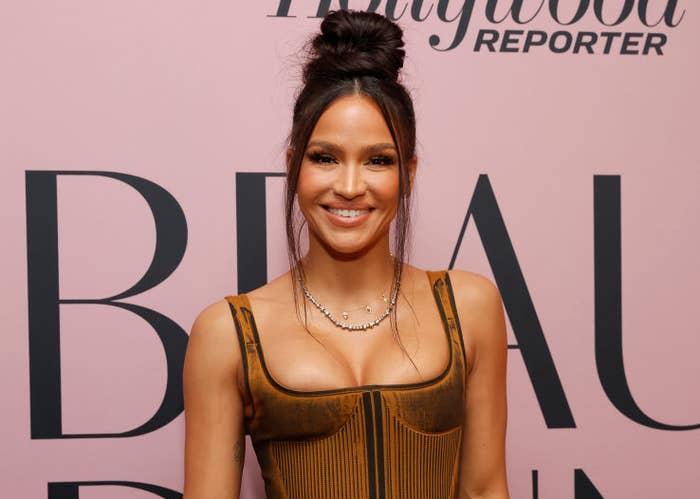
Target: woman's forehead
x,y
354,120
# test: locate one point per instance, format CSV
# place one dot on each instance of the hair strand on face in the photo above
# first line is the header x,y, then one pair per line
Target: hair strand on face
x,y
356,53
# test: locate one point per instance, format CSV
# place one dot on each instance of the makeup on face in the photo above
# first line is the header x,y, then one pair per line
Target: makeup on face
x,y
348,182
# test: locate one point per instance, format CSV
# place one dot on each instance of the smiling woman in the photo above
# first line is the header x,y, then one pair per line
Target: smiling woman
x,y
338,401
348,180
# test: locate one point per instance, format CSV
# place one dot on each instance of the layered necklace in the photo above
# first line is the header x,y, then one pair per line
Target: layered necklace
x,y
362,326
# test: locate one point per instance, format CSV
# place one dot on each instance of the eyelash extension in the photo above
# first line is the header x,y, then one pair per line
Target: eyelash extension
x,y
384,160
316,157
323,158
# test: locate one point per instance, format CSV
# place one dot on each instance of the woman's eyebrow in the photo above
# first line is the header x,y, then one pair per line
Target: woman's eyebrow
x,y
382,146
324,144
370,149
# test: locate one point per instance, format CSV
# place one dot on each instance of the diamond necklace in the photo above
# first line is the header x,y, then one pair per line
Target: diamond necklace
x,y
345,325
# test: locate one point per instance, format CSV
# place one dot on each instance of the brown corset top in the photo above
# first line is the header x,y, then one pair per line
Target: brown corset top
x,y
400,441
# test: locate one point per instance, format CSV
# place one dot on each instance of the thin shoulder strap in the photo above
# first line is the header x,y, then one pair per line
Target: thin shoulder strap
x,y
247,340
442,290
239,304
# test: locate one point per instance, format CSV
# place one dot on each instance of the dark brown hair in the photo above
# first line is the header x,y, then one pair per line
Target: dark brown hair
x,y
356,53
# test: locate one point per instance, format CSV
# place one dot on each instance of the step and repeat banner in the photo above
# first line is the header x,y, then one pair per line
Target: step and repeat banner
x,y
141,152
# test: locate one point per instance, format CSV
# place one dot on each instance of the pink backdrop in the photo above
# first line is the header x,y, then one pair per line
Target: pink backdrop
x,y
186,94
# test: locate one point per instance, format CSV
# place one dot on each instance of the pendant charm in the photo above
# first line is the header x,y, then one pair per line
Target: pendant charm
x,y
345,315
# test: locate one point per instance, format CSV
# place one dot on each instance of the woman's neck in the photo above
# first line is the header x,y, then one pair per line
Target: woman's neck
x,y
344,281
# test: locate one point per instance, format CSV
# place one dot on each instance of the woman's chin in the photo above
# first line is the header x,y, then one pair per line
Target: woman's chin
x,y
349,249
347,252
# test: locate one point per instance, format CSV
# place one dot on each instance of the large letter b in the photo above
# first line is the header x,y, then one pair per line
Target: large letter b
x,y
44,302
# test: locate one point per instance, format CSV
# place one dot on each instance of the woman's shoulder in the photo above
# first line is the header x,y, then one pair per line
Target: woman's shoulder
x,y
274,293
479,306
473,286
264,302
468,285
215,320
214,355
212,331
217,313
470,289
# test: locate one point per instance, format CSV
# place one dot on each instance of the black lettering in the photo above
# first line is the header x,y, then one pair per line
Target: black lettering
x,y
416,7
629,42
554,11
282,9
568,39
608,302
535,485
517,301
464,16
585,39
325,5
391,10
509,38
71,490
655,41
626,9
44,302
487,37
669,13
531,41
583,487
373,5
251,229
514,11
609,37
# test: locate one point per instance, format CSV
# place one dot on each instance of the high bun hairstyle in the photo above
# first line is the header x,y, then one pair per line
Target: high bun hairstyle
x,y
354,44
356,53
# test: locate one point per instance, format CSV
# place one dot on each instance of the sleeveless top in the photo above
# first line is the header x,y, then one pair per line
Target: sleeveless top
x,y
400,441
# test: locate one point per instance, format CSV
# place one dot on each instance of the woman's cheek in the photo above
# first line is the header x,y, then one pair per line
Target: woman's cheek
x,y
306,188
388,189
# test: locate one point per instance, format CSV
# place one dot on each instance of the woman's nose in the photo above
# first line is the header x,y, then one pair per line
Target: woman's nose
x,y
350,181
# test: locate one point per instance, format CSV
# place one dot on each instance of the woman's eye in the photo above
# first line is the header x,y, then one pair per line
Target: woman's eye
x,y
381,160
321,158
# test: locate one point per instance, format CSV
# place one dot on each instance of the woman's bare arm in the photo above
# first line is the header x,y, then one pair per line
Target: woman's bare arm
x,y
214,433
480,309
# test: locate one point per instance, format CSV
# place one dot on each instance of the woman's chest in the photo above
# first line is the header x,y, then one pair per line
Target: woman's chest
x,y
323,357
430,407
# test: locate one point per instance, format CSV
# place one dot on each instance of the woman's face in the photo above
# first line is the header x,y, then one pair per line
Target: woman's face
x,y
348,188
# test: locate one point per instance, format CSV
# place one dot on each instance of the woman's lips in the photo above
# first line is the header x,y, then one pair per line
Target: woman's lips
x,y
345,217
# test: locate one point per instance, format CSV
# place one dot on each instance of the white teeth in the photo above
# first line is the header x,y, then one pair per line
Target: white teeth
x,y
347,213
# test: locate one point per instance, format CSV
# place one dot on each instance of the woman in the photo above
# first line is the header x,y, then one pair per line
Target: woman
x,y
356,374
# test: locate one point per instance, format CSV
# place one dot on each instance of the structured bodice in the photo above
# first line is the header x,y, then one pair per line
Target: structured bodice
x,y
398,441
